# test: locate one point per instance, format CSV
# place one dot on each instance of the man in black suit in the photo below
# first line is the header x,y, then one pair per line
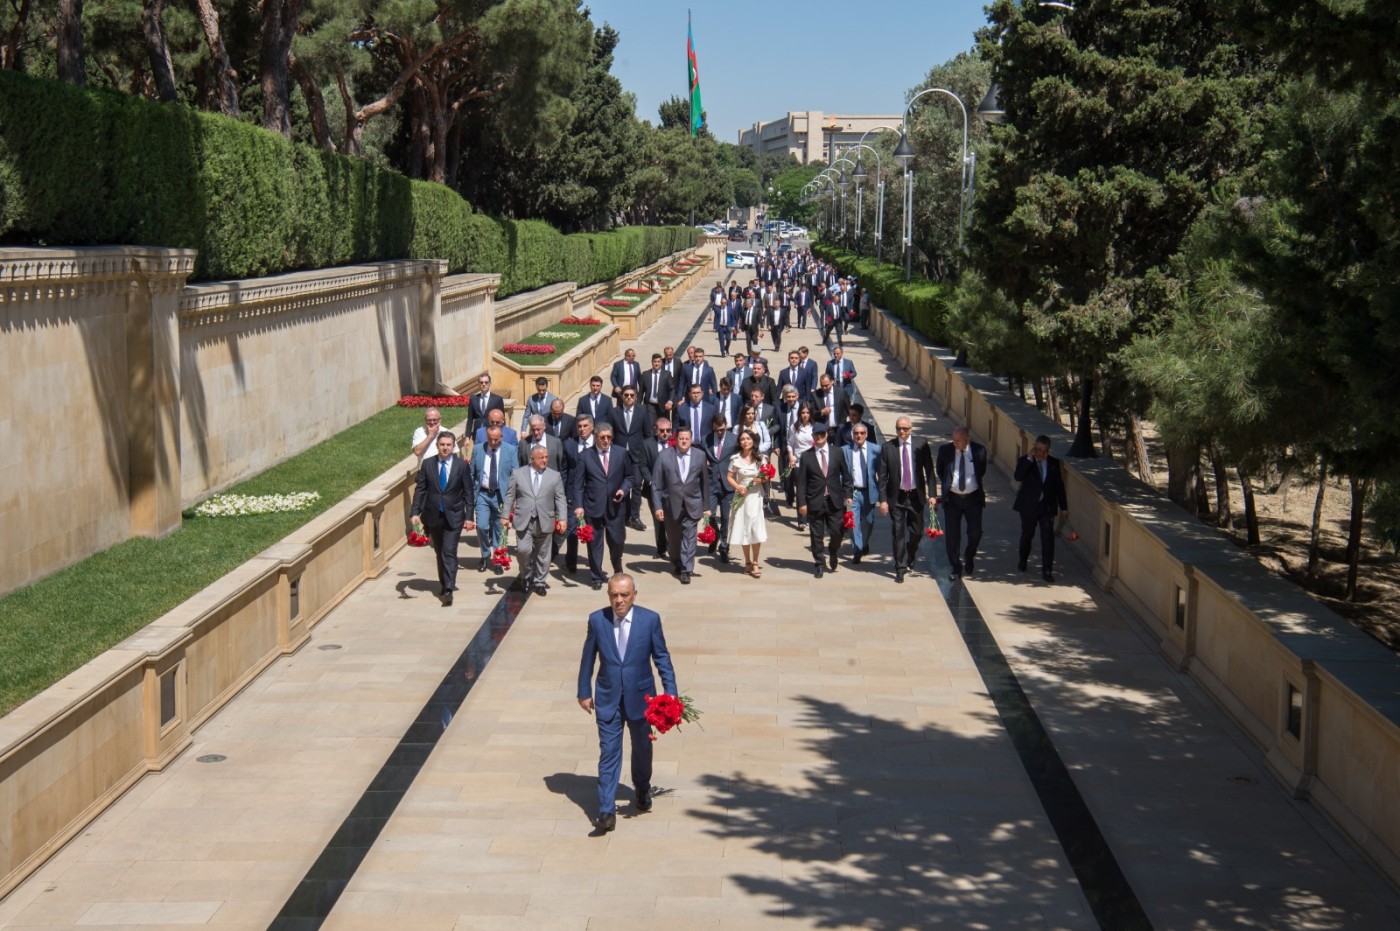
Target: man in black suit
x,y
560,424
761,380
632,426
728,402
961,467
658,391
602,481
440,505
750,319
671,364
483,402
823,494
625,371
829,404
595,404
855,416
698,372
651,451
720,444
694,412
842,372
906,468
1041,498
794,374
574,450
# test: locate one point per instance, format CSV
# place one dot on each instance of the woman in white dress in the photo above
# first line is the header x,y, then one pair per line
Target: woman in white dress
x,y
747,526
799,440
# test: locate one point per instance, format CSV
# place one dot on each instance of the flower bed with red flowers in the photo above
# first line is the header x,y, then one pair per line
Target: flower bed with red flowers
x,y
581,321
562,337
636,290
428,400
607,302
528,349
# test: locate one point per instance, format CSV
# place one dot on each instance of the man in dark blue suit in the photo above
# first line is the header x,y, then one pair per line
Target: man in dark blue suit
x,y
602,480
1041,498
695,412
794,374
720,445
440,504
623,641
595,404
625,372
699,372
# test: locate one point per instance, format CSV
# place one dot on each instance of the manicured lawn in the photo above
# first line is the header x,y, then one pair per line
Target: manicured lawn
x,y
52,627
548,337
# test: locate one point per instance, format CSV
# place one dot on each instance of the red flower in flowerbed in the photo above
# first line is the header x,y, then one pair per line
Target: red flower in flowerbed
x,y
636,290
584,533
768,470
528,349
417,539
848,522
428,400
500,556
581,321
613,303
667,711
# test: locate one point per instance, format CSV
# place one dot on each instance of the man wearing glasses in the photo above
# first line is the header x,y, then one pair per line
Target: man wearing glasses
x,y
906,466
651,451
425,437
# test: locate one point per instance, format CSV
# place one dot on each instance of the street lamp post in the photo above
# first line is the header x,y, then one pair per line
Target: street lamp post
x,y
904,152
843,182
858,175
880,210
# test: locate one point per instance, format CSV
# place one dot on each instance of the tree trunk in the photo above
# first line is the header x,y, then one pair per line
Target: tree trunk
x,y
1201,497
1083,445
315,104
279,21
1314,547
1104,438
1222,488
1138,452
1069,408
354,122
1251,516
158,50
1183,469
1039,391
225,80
72,68
1052,400
9,52
1360,488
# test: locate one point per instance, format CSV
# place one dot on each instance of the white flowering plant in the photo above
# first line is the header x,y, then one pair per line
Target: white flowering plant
x,y
245,505
559,334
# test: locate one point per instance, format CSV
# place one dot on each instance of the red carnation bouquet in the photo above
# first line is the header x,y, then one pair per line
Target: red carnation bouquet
x,y
416,538
706,535
500,556
584,533
934,530
1061,525
768,471
667,711
848,522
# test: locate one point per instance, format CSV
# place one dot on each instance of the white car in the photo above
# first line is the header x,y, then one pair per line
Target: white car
x,y
711,230
741,258
797,232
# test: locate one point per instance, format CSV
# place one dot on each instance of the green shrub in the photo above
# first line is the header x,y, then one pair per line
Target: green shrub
x,y
441,225
577,258
921,303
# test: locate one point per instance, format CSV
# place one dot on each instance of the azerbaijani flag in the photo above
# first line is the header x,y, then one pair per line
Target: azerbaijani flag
x,y
697,118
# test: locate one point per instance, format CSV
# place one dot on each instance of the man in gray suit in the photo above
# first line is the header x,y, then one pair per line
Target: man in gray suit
x,y
536,435
535,501
680,493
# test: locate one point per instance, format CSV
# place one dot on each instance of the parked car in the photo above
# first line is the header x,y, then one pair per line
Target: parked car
x,y
711,230
741,258
784,247
737,235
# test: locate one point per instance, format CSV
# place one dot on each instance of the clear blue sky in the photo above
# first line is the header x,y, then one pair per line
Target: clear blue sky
x,y
761,58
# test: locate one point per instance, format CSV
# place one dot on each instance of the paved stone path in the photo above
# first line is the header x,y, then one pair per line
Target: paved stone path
x,y
852,770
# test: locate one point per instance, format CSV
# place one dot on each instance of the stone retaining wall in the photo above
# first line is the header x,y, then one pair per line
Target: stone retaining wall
x,y
1320,698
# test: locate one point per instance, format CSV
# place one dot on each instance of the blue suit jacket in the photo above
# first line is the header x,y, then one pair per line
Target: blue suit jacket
x,y
507,459
624,681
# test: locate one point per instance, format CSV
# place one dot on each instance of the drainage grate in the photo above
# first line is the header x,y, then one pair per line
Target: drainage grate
x,y
211,758
329,646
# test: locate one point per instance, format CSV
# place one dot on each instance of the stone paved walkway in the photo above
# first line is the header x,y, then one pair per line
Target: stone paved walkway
x,y
852,769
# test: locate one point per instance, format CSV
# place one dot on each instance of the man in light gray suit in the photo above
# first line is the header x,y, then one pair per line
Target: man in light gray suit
x,y
536,435
680,493
535,501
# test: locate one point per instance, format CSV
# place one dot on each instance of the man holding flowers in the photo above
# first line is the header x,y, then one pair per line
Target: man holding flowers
x,y
622,642
440,504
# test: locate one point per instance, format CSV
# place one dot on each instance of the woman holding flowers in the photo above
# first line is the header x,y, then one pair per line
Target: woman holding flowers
x,y
799,440
747,476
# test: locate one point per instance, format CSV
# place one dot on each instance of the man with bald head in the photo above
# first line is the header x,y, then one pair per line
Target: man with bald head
x,y
962,468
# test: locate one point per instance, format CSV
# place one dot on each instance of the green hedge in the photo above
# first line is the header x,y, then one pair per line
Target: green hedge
x,y
921,303
81,167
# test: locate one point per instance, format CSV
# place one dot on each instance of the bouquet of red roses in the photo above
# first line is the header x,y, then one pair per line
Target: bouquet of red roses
x,y
584,533
848,522
667,711
934,530
416,538
706,535
500,556
768,471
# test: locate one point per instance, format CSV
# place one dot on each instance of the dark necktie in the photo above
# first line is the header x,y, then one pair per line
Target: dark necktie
x,y
493,473
962,471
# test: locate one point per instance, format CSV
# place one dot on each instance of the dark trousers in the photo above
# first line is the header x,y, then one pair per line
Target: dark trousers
x,y
615,538
725,334
610,759
777,338
957,510
907,519
827,330
802,317
750,338
719,519
445,547
1045,517
825,532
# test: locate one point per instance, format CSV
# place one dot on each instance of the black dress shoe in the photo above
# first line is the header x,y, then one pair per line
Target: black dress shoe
x,y
597,586
606,822
712,548
447,600
482,567
1021,565
967,565
660,554
801,526
685,578
831,564
541,590
855,560
899,576
1048,576
497,569
955,574
724,556
644,801
572,568
636,524
820,570
518,585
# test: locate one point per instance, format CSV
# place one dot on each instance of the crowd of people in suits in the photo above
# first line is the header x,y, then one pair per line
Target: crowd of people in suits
x,y
698,448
